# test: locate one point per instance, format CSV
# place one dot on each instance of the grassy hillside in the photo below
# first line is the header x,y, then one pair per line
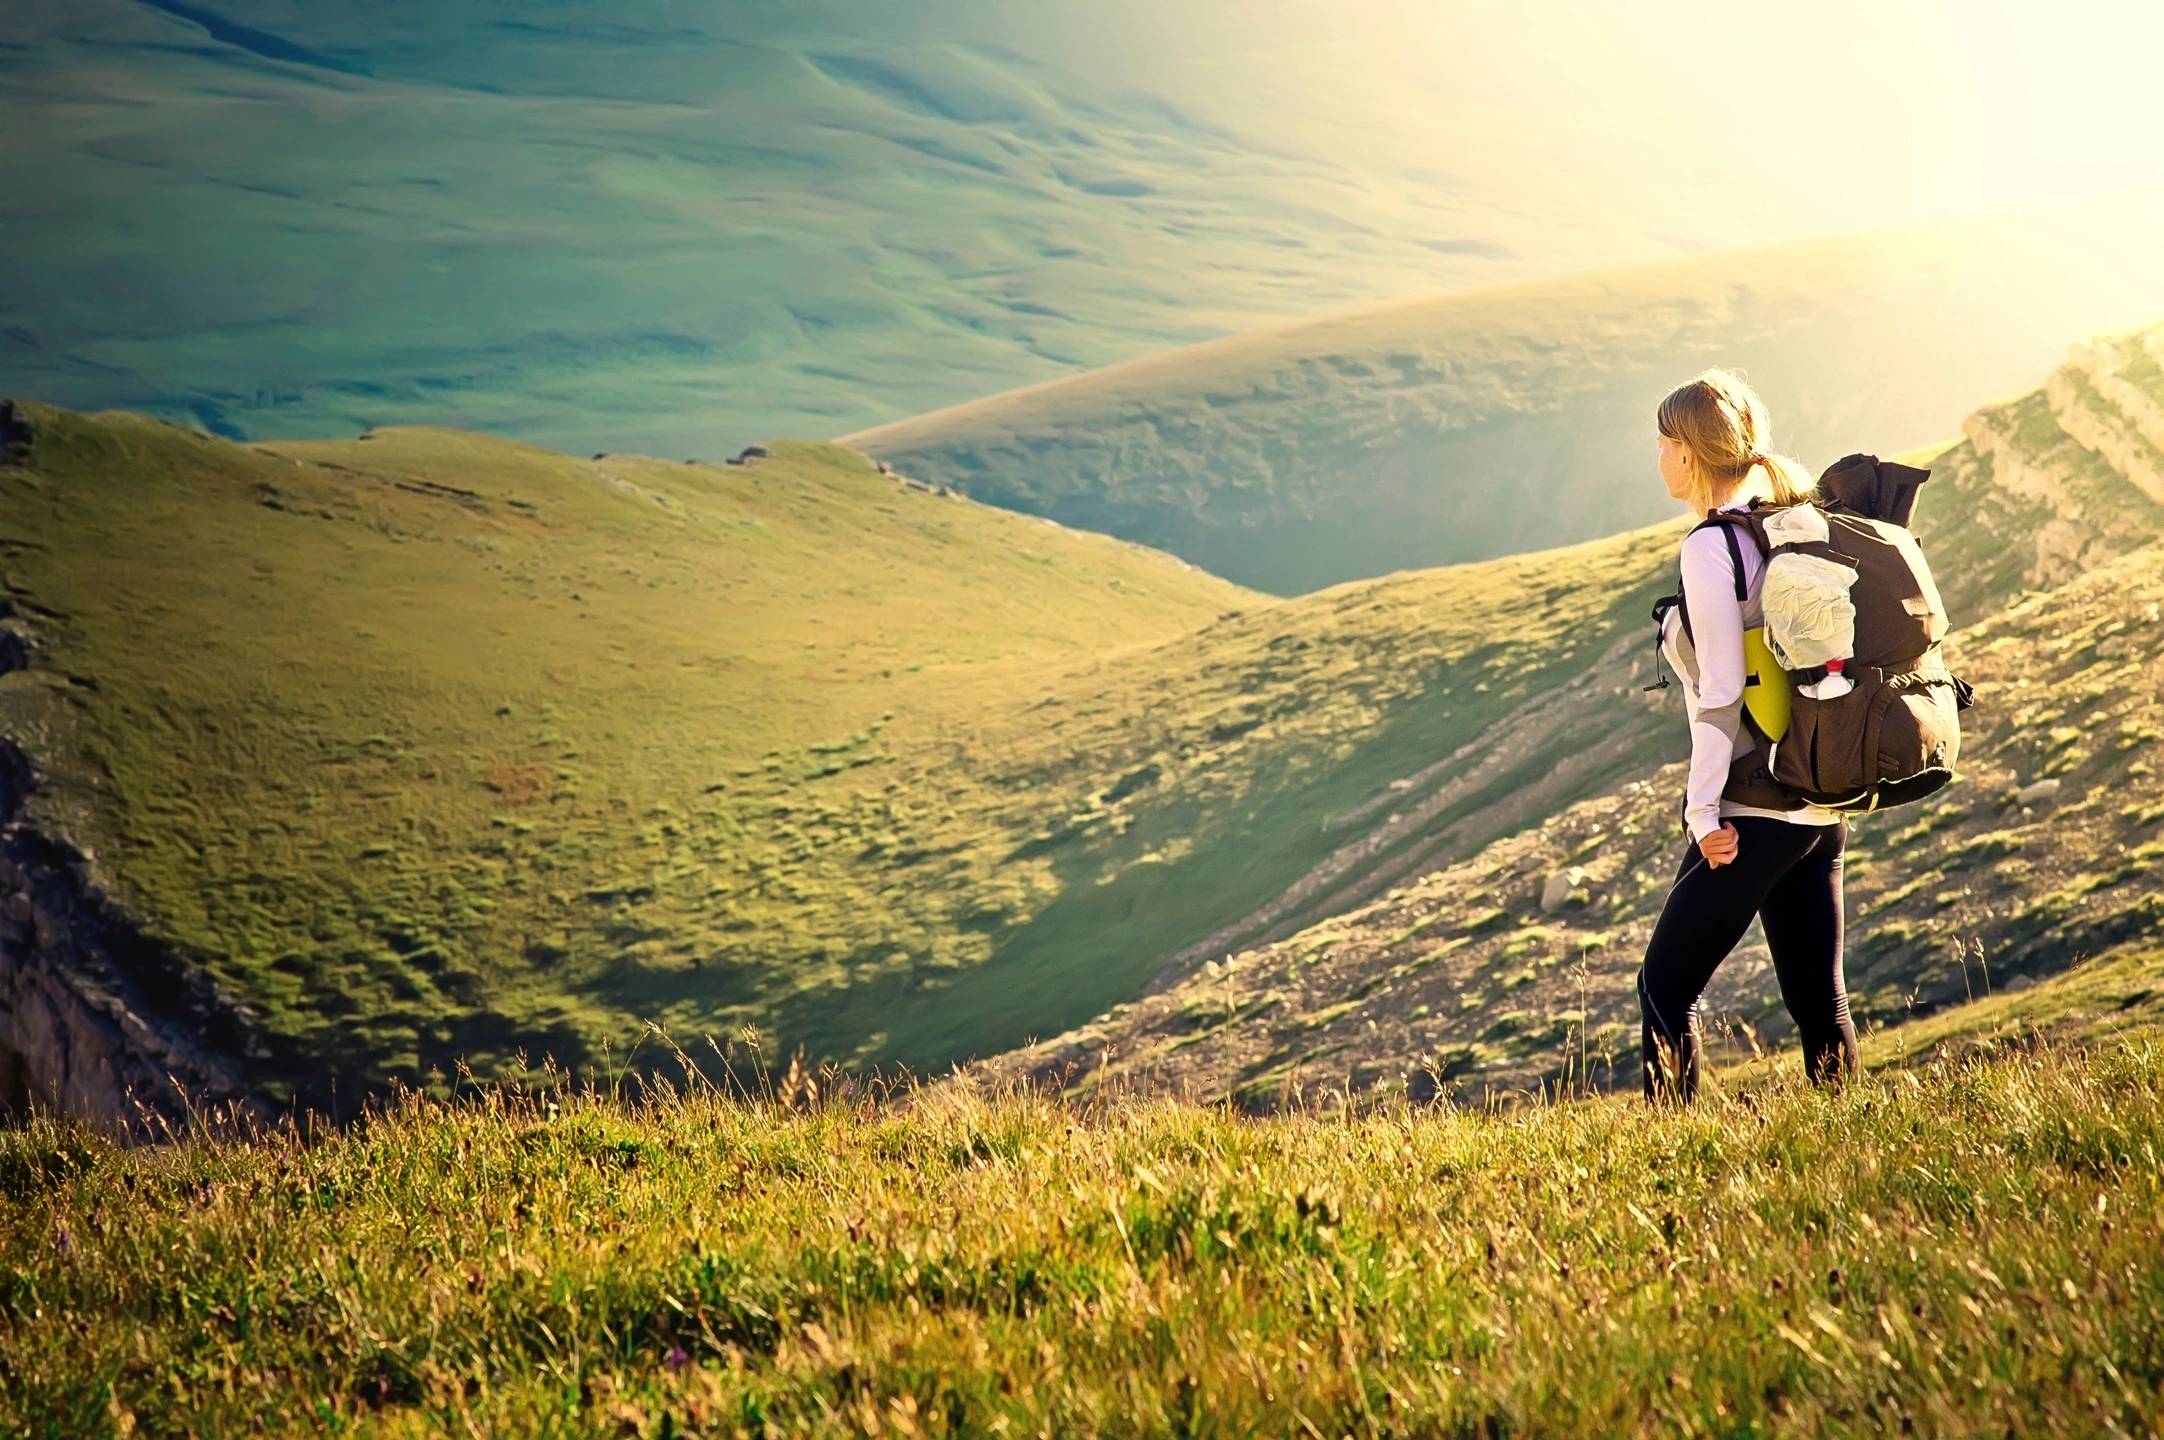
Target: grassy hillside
x,y
1294,761
899,793
426,744
681,229
1461,977
1959,1250
1510,418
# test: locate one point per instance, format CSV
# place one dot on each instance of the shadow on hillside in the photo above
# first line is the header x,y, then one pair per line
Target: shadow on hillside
x,y
1096,944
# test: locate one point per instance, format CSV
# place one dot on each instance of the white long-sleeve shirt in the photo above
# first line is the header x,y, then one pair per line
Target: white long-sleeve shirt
x,y
1709,665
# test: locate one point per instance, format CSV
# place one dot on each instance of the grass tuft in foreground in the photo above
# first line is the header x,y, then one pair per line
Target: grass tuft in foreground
x,y
1964,1247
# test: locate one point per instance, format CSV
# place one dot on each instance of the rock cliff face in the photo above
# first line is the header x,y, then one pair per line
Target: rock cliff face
x,y
2104,409
2056,482
97,1019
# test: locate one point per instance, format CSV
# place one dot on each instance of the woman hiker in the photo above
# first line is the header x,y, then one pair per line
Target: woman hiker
x,y
1783,865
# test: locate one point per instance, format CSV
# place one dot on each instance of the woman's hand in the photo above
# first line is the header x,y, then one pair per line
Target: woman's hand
x,y
1719,846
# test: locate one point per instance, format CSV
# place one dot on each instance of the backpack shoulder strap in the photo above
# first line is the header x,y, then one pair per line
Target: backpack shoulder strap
x,y
1735,551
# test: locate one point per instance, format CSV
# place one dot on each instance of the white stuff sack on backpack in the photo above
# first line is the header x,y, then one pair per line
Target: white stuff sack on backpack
x,y
1810,617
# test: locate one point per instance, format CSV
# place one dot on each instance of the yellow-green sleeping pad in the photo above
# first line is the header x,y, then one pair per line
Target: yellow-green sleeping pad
x,y
1765,685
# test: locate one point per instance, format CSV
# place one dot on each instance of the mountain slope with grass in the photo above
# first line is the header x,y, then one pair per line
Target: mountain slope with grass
x,y
428,745
1515,417
429,748
1514,967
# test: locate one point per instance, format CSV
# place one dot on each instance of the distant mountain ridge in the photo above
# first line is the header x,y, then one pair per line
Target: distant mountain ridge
x,y
1491,421
679,229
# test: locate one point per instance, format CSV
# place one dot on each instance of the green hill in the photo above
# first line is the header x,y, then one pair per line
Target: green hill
x,y
2037,866
427,747
1515,417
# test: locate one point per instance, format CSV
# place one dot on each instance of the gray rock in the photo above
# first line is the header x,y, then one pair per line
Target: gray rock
x,y
1557,892
2040,792
17,647
14,432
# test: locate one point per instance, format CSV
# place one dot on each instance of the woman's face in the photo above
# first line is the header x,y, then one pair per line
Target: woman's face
x,y
1675,464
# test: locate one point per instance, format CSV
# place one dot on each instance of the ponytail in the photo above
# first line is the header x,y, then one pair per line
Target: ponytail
x,y
1788,482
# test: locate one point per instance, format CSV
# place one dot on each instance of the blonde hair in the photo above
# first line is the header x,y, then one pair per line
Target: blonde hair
x,y
1720,417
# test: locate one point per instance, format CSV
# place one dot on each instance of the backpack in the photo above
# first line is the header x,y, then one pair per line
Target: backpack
x,y
1853,625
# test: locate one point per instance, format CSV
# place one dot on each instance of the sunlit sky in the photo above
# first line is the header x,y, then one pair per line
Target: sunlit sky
x,y
1712,122
2031,101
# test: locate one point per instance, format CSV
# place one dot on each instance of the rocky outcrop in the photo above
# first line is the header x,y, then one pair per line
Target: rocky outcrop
x,y
14,432
1990,433
97,1020
2108,414
2084,412
2108,364
2039,456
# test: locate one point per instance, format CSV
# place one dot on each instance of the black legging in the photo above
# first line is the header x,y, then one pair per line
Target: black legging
x,y
1790,876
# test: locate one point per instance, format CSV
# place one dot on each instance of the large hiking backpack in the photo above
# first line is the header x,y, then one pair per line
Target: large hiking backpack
x,y
1853,634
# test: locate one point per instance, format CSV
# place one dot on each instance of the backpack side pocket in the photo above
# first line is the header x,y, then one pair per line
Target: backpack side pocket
x,y
1824,755
1916,738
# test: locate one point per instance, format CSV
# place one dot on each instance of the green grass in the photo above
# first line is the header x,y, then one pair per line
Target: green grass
x,y
1958,1246
2096,999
